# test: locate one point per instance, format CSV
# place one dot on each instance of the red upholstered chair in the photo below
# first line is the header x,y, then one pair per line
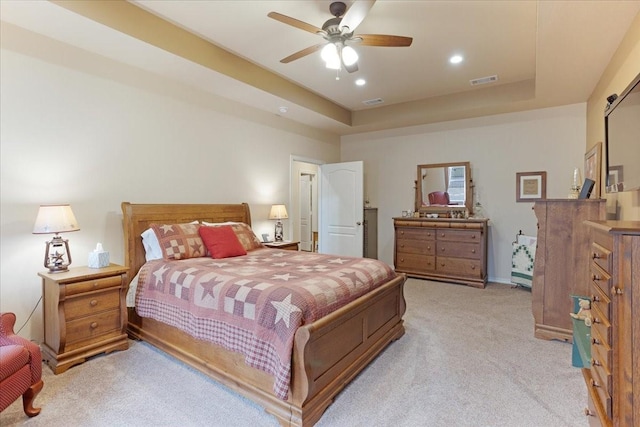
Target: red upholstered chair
x,y
20,367
439,198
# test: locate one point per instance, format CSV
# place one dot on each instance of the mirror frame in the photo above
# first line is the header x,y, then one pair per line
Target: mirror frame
x,y
468,202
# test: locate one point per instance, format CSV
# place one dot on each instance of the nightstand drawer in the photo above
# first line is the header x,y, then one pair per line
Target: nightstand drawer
x,y
86,328
93,285
93,303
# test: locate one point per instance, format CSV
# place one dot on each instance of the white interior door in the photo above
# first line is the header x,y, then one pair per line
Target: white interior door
x,y
341,209
306,212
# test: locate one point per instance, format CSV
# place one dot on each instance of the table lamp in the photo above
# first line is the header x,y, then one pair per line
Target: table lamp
x,y
278,212
54,219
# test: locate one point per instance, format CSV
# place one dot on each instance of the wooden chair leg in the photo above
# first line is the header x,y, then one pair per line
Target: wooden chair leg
x,y
29,396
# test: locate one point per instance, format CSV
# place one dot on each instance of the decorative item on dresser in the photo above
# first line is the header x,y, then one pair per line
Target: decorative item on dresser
x,y
447,249
614,286
84,314
559,270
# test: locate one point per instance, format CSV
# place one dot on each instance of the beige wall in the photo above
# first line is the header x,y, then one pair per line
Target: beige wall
x,y
497,147
623,68
80,129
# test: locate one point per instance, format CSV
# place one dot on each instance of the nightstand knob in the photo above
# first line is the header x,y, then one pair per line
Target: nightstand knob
x,y
473,251
93,302
94,325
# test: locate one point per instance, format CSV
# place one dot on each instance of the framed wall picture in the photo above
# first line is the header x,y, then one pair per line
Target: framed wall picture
x,y
592,167
531,186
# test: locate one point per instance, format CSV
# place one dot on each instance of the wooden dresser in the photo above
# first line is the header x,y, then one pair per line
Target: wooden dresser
x,y
614,289
560,270
84,314
452,250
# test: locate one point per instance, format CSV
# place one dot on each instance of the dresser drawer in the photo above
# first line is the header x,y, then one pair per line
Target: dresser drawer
x,y
89,304
602,256
458,250
600,300
602,387
601,324
459,235
415,263
93,285
83,329
600,278
459,267
601,358
594,419
415,233
408,246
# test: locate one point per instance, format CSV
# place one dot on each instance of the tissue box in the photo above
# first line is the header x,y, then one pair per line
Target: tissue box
x,y
98,259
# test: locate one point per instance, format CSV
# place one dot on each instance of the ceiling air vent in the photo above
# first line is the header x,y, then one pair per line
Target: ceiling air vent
x,y
375,101
484,80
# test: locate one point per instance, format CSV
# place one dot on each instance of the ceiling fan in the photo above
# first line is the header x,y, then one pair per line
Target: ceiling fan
x,y
338,33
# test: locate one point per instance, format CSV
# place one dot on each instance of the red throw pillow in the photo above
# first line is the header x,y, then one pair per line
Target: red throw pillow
x,y
221,242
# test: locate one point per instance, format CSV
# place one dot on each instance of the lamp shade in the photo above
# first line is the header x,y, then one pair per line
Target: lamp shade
x,y
278,212
55,219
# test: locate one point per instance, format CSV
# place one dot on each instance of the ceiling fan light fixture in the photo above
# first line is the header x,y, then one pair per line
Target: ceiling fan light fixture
x,y
349,55
329,53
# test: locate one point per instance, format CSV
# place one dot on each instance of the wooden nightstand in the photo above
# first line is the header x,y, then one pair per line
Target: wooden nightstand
x,y
84,314
289,246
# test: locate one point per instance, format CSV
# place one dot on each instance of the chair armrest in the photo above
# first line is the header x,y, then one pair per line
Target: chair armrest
x,y
8,337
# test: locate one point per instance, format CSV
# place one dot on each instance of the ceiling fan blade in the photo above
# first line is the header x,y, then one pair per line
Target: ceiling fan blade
x,y
383,40
304,52
356,14
294,22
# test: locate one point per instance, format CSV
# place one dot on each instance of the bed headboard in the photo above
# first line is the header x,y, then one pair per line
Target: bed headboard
x,y
137,217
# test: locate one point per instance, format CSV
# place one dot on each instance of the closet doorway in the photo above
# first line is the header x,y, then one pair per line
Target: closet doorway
x,y
303,219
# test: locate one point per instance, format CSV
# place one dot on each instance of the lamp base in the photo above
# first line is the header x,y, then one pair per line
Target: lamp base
x,y
54,256
279,233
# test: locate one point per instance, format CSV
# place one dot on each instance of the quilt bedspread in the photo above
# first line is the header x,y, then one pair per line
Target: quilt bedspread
x,y
253,304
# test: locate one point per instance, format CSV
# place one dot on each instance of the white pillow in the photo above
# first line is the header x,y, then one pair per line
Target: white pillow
x,y
152,249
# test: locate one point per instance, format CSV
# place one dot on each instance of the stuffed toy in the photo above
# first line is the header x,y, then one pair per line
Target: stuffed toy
x,y
584,313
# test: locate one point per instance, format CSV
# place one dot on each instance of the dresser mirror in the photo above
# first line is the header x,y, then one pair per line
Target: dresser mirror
x,y
449,185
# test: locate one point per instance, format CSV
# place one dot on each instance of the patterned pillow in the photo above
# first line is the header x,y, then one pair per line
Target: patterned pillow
x,y
179,241
246,236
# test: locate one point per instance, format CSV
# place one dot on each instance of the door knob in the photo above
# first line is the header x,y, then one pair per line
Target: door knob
x,y
358,223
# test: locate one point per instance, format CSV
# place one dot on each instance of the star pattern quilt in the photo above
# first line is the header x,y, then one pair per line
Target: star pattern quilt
x,y
253,304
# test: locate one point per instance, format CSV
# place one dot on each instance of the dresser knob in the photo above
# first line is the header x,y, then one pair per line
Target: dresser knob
x,y
596,255
595,362
616,290
442,249
595,298
94,325
594,383
473,251
93,302
473,237
95,284
595,277
596,320
441,234
595,341
473,267
429,247
588,412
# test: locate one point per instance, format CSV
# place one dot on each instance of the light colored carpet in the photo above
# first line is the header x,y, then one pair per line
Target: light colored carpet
x,y
468,358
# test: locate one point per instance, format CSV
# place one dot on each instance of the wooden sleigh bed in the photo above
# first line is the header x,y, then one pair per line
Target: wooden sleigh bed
x,y
327,354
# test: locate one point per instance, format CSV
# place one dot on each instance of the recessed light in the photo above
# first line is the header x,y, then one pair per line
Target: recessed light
x,y
456,59
361,82
283,110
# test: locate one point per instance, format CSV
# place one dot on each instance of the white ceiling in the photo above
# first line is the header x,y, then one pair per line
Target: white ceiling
x,y
544,53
